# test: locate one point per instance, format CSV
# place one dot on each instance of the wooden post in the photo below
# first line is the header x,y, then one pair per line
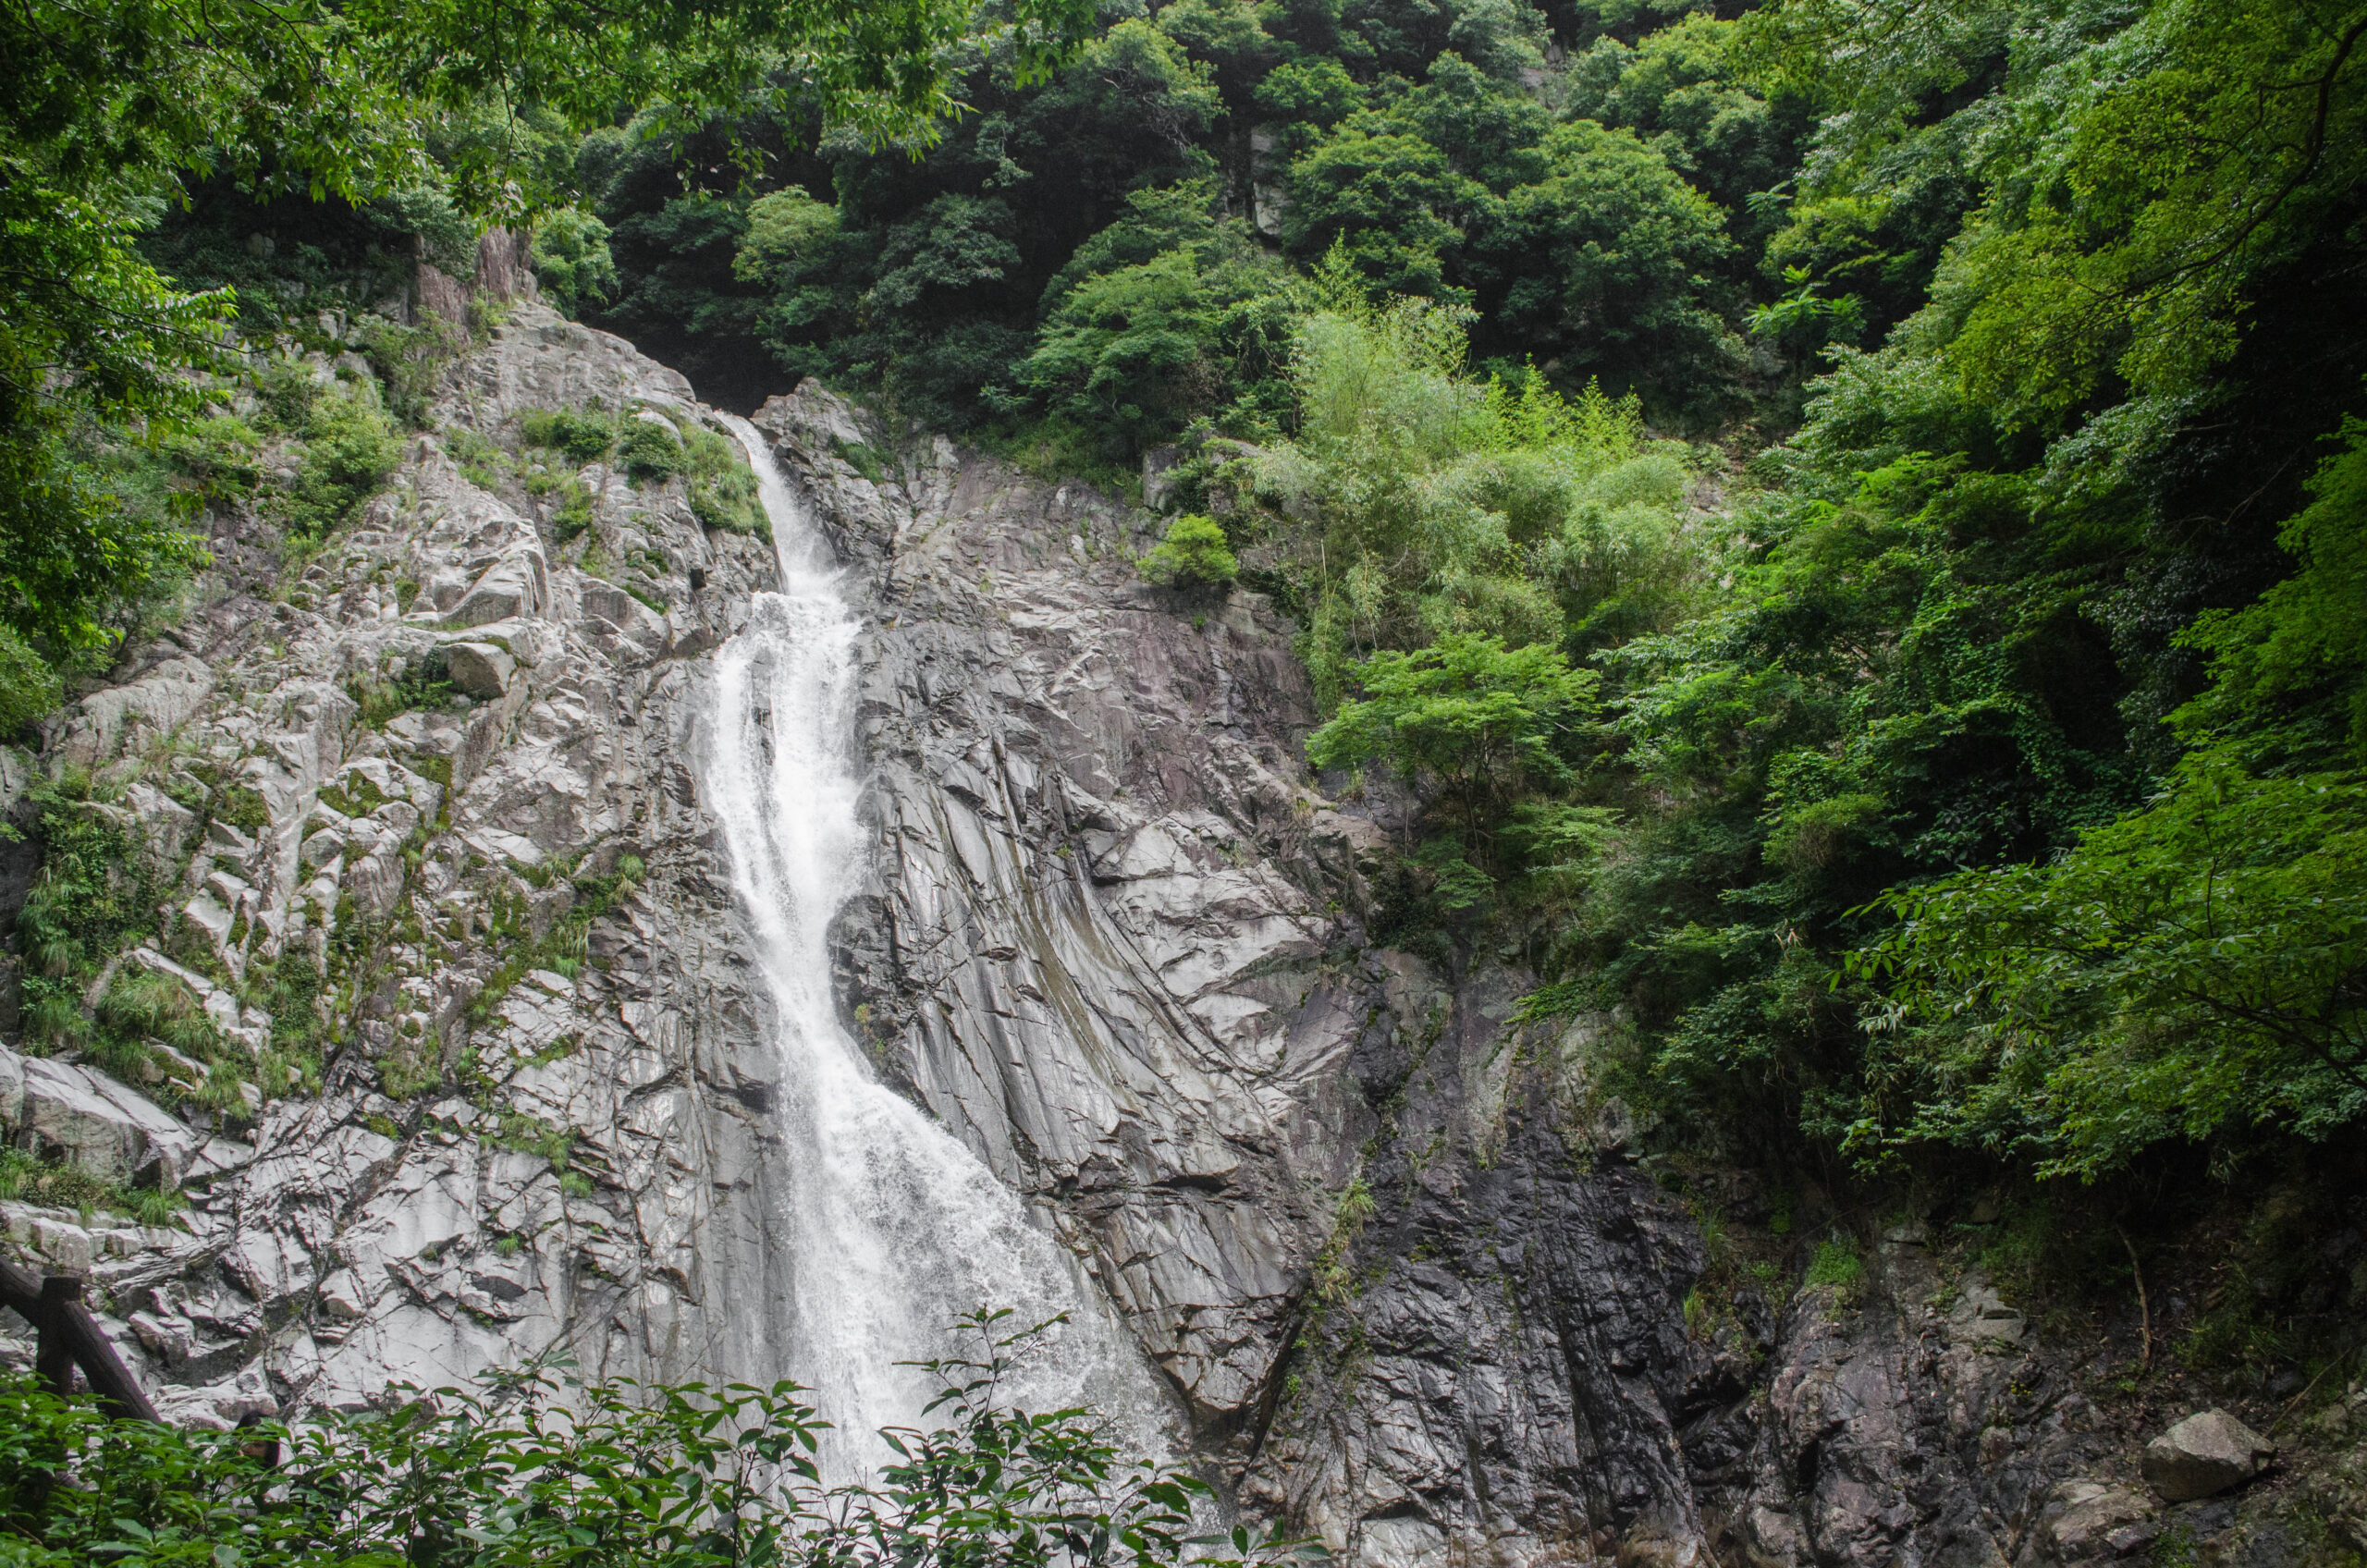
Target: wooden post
x,y
55,1358
67,1335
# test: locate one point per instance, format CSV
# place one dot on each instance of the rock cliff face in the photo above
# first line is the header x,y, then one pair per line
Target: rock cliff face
x,y
1394,1255
429,860
1411,1278
1116,941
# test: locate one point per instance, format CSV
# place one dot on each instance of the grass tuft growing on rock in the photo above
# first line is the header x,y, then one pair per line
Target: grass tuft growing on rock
x,y
27,1178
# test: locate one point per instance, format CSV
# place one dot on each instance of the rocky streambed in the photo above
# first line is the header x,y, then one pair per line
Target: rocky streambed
x,y
1408,1276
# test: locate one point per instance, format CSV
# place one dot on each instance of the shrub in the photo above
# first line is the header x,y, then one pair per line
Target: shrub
x,y
242,807
216,457
723,488
650,451
571,260
1481,721
584,434
349,449
286,391
866,460
95,892
1836,1264
425,682
25,1178
1193,554
573,514
523,1469
408,360
29,687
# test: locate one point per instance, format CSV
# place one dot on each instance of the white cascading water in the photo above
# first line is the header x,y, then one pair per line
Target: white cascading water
x,y
892,1227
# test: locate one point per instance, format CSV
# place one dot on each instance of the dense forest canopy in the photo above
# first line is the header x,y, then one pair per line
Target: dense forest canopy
x,y
1847,514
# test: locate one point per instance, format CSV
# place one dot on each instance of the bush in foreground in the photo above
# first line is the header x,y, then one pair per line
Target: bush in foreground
x,y
526,1470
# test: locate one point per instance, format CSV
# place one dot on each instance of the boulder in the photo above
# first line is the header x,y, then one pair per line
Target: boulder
x,y
106,1130
157,704
1982,1319
479,669
517,584
2203,1454
2089,1522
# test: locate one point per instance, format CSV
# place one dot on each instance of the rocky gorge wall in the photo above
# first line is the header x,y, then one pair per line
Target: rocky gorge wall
x,y
1415,1283
407,1223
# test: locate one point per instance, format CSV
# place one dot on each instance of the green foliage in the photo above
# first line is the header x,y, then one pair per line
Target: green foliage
x,y
26,1179
1835,1267
1615,255
573,514
2192,966
723,488
2290,669
95,892
786,230
349,451
1393,205
571,260
91,336
1443,504
525,1468
409,361
2126,254
29,687
1136,349
584,434
650,451
142,1010
216,457
1480,722
1193,553
242,807
1684,89
424,683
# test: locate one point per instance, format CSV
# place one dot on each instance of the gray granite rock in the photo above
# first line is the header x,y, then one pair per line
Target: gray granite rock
x,y
105,1129
370,1235
2205,1454
2091,1521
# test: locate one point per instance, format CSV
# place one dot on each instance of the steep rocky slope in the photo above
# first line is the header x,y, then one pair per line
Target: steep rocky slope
x,y
1418,1286
409,1222
1415,1283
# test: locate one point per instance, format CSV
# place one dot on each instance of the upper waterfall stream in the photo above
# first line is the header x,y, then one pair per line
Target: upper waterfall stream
x,y
891,1228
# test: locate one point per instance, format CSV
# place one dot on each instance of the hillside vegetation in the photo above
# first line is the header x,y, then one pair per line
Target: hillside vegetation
x,y
1849,513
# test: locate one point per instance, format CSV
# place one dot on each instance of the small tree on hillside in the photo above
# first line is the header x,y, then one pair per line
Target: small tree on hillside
x,y
1479,721
1194,555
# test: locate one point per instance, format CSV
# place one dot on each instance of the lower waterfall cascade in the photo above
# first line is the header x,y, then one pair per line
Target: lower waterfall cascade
x,y
891,1228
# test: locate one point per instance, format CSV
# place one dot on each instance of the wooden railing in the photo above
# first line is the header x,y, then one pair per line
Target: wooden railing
x,y
69,1337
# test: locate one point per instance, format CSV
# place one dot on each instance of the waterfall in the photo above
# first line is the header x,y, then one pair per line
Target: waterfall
x,y
890,1226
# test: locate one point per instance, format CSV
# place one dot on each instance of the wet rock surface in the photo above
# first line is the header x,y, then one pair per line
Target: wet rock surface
x,y
1118,940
